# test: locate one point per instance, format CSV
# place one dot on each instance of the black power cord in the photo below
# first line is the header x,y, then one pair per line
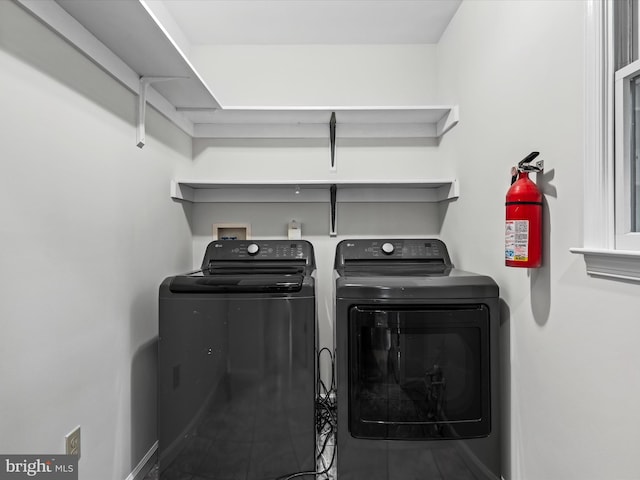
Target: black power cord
x,y
326,413
326,418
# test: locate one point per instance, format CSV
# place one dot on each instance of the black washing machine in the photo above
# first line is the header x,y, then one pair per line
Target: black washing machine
x,y
417,364
237,377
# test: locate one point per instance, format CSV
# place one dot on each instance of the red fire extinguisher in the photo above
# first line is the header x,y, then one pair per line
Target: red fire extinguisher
x,y
523,225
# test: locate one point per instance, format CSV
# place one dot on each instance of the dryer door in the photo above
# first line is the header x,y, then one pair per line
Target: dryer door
x,y
419,373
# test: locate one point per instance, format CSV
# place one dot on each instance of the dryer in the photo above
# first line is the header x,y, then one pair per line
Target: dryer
x,y
417,364
236,371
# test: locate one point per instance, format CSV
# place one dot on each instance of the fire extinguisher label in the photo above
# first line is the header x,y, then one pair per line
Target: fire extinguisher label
x,y
516,240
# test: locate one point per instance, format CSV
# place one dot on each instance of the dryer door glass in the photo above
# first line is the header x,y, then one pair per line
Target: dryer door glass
x,y
419,373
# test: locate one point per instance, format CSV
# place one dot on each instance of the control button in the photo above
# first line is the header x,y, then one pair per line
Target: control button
x,y
253,248
387,248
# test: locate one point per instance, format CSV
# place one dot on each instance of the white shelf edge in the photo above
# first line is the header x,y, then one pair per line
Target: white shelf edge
x,y
608,263
301,130
312,121
335,108
314,191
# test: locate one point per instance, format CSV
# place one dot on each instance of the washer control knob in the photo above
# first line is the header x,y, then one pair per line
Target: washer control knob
x,y
387,248
253,248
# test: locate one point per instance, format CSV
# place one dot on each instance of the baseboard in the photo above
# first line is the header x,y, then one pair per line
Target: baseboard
x,y
145,464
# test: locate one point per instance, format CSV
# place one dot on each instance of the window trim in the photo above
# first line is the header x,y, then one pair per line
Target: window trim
x,y
600,254
624,237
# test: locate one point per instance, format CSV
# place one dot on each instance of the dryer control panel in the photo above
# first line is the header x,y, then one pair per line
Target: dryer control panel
x,y
392,256
388,249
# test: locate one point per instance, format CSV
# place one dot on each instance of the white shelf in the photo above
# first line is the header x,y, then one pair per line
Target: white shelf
x,y
131,43
313,122
133,34
314,191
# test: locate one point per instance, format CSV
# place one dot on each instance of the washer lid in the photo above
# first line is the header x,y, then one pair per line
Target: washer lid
x,y
255,283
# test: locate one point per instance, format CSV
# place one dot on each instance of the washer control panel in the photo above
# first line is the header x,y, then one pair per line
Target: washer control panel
x,y
256,250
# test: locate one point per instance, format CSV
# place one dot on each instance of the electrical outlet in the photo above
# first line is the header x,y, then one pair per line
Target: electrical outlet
x,y
72,442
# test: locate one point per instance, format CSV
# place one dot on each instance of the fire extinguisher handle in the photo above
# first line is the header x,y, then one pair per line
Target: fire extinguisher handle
x,y
528,158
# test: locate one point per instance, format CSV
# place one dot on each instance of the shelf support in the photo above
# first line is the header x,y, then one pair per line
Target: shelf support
x,y
447,122
142,105
332,138
333,221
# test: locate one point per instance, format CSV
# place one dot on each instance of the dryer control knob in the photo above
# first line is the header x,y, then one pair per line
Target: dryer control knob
x,y
253,248
387,248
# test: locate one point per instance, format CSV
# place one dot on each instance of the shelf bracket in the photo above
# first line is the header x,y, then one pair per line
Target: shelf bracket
x,y
333,220
332,138
142,104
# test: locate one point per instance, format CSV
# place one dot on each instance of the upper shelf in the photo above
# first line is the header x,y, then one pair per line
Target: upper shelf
x,y
129,41
312,122
131,31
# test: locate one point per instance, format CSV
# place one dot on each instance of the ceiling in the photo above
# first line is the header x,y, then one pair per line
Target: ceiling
x,y
255,22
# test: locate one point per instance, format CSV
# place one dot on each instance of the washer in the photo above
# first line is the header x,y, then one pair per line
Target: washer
x,y
237,342
417,364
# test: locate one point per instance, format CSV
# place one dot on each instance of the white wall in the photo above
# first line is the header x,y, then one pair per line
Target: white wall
x,y
330,75
516,70
87,233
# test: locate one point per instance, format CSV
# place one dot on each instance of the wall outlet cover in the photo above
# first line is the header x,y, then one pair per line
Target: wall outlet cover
x,y
72,442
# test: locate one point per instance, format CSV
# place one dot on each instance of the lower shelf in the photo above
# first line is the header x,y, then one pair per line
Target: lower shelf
x,y
312,191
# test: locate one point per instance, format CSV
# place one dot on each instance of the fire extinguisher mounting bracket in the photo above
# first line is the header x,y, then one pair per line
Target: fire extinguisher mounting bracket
x,y
527,167
524,165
